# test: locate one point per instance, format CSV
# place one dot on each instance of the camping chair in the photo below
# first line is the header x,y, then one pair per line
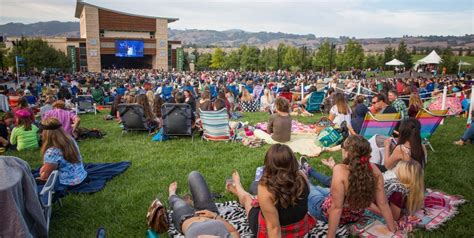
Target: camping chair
x,y
46,196
315,101
177,119
4,107
287,95
215,125
85,104
429,121
379,124
167,92
133,118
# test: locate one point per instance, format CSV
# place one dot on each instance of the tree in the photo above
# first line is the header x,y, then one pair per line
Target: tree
x,y
468,52
268,59
292,59
249,57
353,55
38,55
449,61
203,61
232,60
413,50
3,61
460,52
322,56
281,51
389,53
403,55
217,59
371,62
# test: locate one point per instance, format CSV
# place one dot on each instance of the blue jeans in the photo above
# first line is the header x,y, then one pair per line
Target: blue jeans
x,y
317,195
324,179
469,134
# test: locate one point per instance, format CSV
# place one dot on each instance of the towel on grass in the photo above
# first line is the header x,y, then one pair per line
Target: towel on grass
x,y
97,176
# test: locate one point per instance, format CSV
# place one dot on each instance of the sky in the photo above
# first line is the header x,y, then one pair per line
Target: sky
x,y
323,18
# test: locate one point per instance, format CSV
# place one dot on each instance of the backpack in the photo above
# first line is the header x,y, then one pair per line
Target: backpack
x,y
328,137
157,217
84,133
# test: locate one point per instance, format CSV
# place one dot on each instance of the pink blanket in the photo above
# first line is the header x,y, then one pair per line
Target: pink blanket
x,y
296,127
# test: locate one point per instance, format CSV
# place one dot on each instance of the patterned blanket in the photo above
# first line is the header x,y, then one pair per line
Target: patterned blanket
x,y
296,127
439,208
235,215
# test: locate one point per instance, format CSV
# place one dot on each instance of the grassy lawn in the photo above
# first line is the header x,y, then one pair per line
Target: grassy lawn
x,y
121,207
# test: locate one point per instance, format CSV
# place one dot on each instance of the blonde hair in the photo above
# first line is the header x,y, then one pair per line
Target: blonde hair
x,y
268,95
415,100
246,97
410,174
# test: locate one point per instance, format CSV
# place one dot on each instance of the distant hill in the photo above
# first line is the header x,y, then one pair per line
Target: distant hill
x,y
50,28
235,37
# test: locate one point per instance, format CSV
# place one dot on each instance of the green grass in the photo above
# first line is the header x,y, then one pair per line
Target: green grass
x,y
121,207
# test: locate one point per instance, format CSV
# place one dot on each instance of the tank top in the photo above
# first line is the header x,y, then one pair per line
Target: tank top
x,y
293,214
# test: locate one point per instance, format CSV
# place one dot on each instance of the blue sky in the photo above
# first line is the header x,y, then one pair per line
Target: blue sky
x,y
359,18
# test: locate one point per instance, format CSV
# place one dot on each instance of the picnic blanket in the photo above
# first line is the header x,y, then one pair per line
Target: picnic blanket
x,y
97,176
296,127
234,213
438,208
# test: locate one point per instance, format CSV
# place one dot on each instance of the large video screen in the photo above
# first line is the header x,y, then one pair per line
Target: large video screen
x,y
129,48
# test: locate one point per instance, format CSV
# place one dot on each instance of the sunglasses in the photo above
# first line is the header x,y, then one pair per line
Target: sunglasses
x,y
374,102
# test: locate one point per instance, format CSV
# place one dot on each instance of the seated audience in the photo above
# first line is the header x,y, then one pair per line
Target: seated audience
x,y
203,219
25,134
247,104
414,105
267,101
60,152
282,208
279,125
47,106
5,123
341,112
68,119
205,103
360,110
355,185
398,104
468,134
381,105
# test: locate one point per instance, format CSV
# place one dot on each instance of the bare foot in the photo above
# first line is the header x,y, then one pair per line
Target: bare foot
x,y
172,188
231,188
329,162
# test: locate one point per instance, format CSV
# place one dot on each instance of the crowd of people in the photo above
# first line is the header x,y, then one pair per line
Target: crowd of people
x,y
40,114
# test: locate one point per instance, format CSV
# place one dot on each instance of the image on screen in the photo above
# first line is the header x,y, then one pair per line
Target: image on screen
x,y
129,48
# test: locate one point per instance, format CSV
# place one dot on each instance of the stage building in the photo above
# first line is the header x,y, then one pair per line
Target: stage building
x,y
112,39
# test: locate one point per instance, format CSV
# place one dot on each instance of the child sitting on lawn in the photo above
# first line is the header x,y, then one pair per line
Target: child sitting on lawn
x,y
25,134
279,125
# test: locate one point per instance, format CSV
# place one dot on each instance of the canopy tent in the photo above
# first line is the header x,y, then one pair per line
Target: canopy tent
x,y
394,62
460,64
432,58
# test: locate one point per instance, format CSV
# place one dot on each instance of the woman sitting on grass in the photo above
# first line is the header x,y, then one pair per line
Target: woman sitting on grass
x,y
341,112
247,103
267,101
203,219
404,186
281,209
279,125
60,152
355,185
407,147
25,134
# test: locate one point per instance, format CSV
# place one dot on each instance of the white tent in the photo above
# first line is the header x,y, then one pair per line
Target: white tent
x,y
432,58
394,62
463,63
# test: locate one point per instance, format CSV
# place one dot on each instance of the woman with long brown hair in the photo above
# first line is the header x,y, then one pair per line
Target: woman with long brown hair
x,y
341,112
414,104
355,185
152,121
281,208
60,151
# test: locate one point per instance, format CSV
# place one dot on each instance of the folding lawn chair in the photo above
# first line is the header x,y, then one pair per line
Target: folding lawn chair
x,y
46,196
177,119
315,101
379,124
133,118
85,104
430,120
215,125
